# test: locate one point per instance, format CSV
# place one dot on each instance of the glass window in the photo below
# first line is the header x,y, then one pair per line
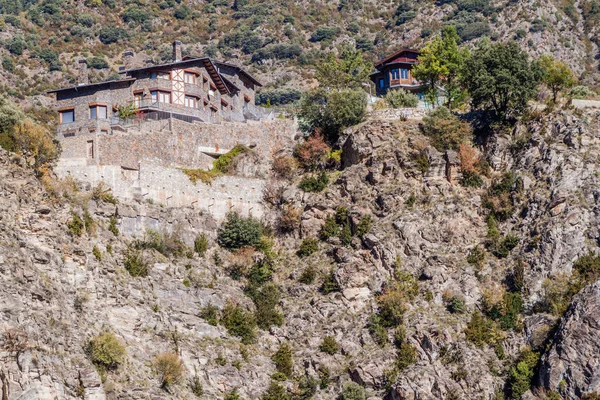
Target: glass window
x,y
98,112
190,101
395,74
137,100
188,77
93,113
381,83
404,73
67,116
154,94
164,97
102,112
161,75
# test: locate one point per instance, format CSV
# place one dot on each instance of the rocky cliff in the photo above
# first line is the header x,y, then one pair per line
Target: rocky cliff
x,y
421,294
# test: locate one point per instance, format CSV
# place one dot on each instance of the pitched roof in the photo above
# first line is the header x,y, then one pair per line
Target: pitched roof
x,y
240,70
90,85
394,55
188,62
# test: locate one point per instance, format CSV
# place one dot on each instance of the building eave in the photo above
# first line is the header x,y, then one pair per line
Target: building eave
x,y
394,55
90,85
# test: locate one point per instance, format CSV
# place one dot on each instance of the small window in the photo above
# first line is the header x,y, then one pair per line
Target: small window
x,y
90,149
190,101
67,116
154,94
395,74
404,73
189,77
381,83
161,75
137,100
98,112
164,97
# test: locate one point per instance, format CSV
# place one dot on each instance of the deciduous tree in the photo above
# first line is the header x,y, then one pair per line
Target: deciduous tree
x,y
556,75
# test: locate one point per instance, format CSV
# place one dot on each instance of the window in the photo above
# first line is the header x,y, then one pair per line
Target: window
x,y
90,149
67,116
161,75
404,73
98,112
381,83
190,101
137,100
104,132
160,96
395,74
189,77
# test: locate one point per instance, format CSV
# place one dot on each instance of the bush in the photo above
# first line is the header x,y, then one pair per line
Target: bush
x,y
315,184
106,351
588,267
277,97
308,246
377,330
353,391
313,152
582,92
364,225
457,305
481,331
407,355
330,228
75,225
266,299
391,308
112,226
232,395
169,369
111,34
239,322
289,220
401,98
225,162
283,360
522,374
308,275
329,345
476,256
201,244
285,167
96,252
97,62
471,179
330,284
324,33
135,14
445,129
135,263
238,231
210,314
276,392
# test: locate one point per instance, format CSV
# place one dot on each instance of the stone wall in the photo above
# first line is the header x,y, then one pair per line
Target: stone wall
x,y
398,113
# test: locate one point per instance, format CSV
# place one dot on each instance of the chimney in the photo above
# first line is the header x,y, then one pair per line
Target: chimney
x,y
176,51
128,59
83,73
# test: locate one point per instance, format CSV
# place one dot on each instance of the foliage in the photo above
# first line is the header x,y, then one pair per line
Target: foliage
x,y
279,96
275,392
440,63
201,244
407,355
332,111
106,351
401,98
391,308
314,183
330,228
232,395
135,263
556,75
324,33
97,253
97,63
308,246
308,275
581,92
210,314
112,225
353,391
349,71
266,298
457,305
329,345
165,243
312,152
238,231
283,360
330,283
476,256
481,331
169,369
289,219
26,137
239,322
588,267
111,34
445,129
225,162
75,225
521,375
471,179
500,77
364,225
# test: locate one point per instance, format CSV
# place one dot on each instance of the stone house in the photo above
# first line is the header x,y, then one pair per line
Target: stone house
x,y
192,89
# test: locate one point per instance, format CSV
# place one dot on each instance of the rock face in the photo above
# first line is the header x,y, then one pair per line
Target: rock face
x,y
572,365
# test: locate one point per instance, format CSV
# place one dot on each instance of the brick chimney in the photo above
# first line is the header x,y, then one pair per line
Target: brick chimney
x,y
83,78
128,59
176,51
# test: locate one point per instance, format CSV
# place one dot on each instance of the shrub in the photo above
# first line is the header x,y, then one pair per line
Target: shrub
x,y
201,244
225,162
471,179
166,244
401,98
481,331
232,395
312,152
238,231
445,129
314,183
285,167
169,369
75,225
476,256
457,305
324,33
364,225
407,355
111,34
239,322
329,345
308,275
283,360
196,386
330,284
308,246
210,314
276,392
330,228
279,96
588,266
377,330
96,252
353,391
106,351
97,62
135,14
266,299
522,374
289,220
112,226
391,308
582,92
135,263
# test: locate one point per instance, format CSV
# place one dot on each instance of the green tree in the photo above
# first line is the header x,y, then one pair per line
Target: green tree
x,y
238,231
349,71
440,63
499,77
556,75
283,360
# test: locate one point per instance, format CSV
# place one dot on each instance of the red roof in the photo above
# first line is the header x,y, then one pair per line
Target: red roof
x,y
396,57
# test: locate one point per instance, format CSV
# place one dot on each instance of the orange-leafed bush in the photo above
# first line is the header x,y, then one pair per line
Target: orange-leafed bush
x,y
313,151
285,166
290,219
468,157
